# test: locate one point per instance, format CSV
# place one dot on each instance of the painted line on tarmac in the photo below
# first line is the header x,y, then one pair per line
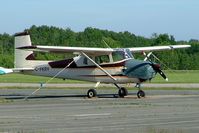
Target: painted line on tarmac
x,y
166,123
171,96
163,114
86,115
125,125
39,117
168,118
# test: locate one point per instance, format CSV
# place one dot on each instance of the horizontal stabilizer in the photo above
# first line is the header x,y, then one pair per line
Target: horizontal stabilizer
x,y
22,69
15,70
5,71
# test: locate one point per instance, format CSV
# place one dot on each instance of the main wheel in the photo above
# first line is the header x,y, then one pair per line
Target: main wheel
x,y
140,94
91,93
122,92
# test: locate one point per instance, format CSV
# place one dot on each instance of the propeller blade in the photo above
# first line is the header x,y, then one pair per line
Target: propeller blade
x,y
163,75
156,67
147,56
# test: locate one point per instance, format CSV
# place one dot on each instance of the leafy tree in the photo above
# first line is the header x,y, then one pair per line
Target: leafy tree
x,y
93,37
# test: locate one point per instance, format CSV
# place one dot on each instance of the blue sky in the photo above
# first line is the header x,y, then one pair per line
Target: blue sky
x,y
141,17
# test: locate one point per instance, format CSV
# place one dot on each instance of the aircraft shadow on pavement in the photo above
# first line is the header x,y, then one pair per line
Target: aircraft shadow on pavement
x,y
18,96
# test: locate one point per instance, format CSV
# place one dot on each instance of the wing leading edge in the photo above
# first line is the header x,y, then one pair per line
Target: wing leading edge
x,y
157,48
61,49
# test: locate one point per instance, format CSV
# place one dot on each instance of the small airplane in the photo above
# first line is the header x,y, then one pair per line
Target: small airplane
x,y
99,65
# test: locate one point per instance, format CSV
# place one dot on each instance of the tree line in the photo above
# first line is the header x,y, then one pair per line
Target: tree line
x,y
183,59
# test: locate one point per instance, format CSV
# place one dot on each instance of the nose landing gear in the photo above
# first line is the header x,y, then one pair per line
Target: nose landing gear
x,y
140,92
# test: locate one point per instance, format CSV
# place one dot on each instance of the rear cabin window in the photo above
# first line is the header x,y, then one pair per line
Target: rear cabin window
x,y
85,61
102,59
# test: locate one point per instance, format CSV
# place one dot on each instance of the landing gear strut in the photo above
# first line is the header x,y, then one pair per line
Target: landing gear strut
x,y
140,92
122,91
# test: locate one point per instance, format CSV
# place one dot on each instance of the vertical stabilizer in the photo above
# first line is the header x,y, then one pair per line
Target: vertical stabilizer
x,y
22,39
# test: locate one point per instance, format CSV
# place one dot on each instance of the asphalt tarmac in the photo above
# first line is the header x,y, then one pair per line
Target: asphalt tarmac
x,y
76,85
59,110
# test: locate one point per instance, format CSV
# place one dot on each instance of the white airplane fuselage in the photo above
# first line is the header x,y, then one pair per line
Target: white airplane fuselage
x,y
83,72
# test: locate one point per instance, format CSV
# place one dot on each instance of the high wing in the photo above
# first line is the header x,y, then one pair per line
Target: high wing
x,y
157,48
98,51
61,49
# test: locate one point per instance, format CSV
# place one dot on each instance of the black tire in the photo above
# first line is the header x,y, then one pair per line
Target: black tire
x,y
91,93
140,94
122,92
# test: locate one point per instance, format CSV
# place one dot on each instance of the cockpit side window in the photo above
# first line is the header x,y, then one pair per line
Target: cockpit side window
x,y
118,56
85,61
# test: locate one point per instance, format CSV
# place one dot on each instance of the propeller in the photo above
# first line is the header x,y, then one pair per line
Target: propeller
x,y
156,67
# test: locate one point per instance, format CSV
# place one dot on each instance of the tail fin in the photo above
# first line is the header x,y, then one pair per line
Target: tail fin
x,y
21,56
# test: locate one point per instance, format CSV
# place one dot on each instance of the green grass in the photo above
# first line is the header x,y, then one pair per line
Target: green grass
x,y
191,76
179,76
20,78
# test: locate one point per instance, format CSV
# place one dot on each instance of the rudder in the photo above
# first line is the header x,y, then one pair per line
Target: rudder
x,y
20,58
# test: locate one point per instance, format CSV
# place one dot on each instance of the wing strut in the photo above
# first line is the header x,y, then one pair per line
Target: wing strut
x,y
48,80
102,69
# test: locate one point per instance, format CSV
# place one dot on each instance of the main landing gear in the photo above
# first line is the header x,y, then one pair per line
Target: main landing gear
x,y
91,93
122,92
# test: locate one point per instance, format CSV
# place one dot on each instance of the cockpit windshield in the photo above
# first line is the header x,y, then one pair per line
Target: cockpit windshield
x,y
128,53
121,55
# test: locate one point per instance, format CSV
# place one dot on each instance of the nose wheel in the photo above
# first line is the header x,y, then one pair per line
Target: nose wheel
x,y
140,92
